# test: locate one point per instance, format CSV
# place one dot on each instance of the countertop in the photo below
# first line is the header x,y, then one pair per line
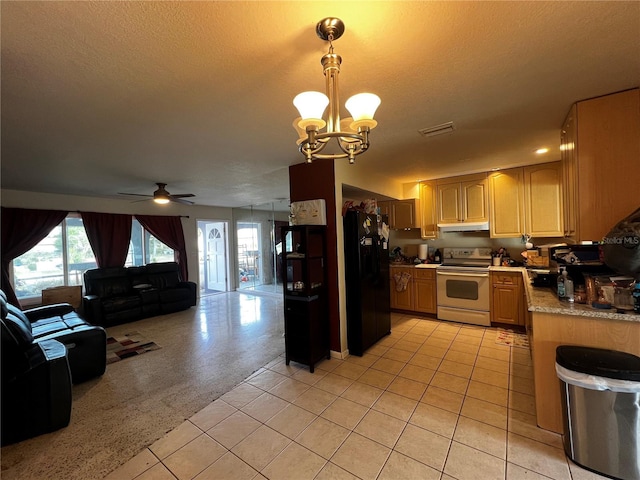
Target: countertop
x,y
410,265
544,300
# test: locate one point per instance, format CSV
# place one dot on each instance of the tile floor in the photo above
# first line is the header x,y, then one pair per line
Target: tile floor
x,y
433,400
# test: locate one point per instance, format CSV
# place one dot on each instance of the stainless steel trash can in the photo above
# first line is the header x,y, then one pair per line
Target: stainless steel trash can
x,y
600,392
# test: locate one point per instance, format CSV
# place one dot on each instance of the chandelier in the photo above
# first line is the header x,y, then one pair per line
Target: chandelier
x,y
352,133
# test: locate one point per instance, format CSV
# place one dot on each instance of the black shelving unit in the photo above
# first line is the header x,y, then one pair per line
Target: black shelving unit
x,y
306,320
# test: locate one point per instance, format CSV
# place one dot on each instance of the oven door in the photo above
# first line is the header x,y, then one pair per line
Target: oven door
x,y
463,295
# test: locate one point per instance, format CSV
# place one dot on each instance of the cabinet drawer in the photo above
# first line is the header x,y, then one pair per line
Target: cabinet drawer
x,y
425,273
506,278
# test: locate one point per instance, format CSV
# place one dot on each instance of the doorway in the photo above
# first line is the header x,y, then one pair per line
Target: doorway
x,y
213,250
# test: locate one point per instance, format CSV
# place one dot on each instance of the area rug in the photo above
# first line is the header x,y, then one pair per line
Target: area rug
x,y
511,338
128,345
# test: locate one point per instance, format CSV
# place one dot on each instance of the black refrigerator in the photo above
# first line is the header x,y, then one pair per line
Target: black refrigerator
x,y
367,281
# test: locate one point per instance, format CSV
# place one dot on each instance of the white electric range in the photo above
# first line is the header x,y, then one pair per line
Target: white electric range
x,y
464,286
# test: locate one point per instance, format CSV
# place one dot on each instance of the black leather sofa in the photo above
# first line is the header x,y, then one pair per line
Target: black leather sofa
x,y
86,344
44,350
123,294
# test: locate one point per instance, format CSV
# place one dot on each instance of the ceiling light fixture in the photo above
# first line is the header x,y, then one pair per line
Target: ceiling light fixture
x,y
161,200
540,151
352,134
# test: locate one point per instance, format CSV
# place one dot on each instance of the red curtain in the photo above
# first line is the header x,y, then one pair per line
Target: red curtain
x,y
169,231
109,235
23,229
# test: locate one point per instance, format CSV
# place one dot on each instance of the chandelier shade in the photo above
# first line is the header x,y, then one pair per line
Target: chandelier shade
x,y
351,135
311,106
362,108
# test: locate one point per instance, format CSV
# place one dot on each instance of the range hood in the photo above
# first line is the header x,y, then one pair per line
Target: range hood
x,y
464,227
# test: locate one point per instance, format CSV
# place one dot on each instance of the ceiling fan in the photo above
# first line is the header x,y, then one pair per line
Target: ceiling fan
x,y
162,196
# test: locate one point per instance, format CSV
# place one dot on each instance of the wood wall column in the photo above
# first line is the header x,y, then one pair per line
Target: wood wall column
x,y
317,180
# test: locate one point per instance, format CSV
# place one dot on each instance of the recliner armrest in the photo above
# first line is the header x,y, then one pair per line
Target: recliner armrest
x,y
193,290
46,311
92,307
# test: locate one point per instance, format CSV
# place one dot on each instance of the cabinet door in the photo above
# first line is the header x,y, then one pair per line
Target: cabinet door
x,y
506,304
404,214
401,300
608,149
508,298
425,296
543,200
449,203
474,201
568,140
506,203
385,209
429,220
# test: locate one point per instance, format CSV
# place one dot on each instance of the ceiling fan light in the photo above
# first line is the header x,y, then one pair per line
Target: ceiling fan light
x,y
311,105
161,200
362,108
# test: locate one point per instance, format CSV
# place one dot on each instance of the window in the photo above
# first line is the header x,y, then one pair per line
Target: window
x,y
59,259
63,256
145,248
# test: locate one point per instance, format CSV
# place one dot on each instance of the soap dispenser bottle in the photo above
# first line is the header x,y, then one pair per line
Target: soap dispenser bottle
x,y
568,287
561,290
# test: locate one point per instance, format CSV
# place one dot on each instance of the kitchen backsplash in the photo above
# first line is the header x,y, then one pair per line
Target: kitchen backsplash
x,y
408,241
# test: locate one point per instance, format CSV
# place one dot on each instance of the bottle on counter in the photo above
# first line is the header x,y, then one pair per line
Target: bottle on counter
x,y
561,290
580,294
568,287
437,257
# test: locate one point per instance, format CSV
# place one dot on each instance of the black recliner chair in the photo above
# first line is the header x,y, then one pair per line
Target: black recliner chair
x,y
86,344
36,383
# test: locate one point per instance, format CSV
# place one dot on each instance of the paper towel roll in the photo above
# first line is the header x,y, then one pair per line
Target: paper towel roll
x,y
423,251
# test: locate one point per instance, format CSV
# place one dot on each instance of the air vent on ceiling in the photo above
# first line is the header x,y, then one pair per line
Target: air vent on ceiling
x,y
437,130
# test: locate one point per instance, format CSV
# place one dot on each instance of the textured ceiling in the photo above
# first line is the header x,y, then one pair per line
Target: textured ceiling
x,y
107,97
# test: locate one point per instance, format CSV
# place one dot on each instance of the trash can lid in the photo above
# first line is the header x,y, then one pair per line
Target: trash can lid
x,y
599,362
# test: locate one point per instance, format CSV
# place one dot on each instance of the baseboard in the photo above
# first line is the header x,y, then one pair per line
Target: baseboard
x,y
339,355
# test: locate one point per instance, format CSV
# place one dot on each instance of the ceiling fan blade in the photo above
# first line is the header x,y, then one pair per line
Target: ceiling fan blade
x,y
135,194
182,195
179,200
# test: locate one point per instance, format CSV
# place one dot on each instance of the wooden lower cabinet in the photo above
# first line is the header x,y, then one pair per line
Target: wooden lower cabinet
x,y
419,295
401,294
424,289
508,300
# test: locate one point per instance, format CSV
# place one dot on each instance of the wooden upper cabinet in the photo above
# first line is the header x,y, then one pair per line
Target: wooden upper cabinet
x,y
506,203
568,139
428,212
385,209
526,200
475,200
449,203
604,165
463,199
543,200
405,214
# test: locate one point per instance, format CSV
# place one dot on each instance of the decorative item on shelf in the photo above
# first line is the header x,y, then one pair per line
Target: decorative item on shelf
x,y
352,134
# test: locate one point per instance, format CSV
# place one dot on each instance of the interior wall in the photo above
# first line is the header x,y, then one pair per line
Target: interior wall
x,y
75,203
408,241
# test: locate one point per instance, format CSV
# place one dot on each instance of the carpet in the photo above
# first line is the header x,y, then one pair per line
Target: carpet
x,y
128,345
511,338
